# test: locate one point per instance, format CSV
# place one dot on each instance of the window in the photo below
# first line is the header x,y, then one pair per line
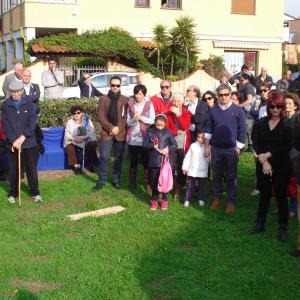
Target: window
x,y
99,81
171,4
142,3
244,7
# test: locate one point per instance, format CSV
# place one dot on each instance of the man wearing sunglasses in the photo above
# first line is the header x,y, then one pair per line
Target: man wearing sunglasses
x,y
224,139
112,115
162,99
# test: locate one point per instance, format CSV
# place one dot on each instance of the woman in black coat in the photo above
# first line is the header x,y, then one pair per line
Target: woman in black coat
x,y
272,142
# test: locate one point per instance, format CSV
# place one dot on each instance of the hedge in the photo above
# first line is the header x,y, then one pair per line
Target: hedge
x,y
55,113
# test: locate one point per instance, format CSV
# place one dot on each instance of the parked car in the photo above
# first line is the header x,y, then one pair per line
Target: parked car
x,y
101,82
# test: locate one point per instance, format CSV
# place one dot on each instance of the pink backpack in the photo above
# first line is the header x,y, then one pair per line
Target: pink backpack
x,y
165,180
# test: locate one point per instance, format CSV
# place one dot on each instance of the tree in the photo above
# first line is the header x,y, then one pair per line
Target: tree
x,y
186,36
174,48
160,38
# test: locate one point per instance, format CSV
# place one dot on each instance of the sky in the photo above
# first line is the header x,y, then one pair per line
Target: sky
x,y
292,7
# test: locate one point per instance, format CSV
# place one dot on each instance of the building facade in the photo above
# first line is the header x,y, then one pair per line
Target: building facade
x,y
243,31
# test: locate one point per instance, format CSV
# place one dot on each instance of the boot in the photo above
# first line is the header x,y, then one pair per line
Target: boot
x,y
259,226
282,234
132,180
177,192
146,182
215,204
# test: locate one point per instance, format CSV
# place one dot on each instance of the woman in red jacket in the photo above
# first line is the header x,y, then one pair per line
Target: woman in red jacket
x,y
178,122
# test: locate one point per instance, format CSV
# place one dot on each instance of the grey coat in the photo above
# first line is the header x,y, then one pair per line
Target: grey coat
x,y
53,89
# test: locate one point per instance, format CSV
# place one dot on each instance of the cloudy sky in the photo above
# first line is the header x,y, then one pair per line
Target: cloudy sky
x,y
292,7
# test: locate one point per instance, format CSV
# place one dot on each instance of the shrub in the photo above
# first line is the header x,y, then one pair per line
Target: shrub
x,y
214,66
55,113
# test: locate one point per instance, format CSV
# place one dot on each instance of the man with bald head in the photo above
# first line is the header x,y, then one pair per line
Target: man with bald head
x,y
32,90
161,100
263,77
16,75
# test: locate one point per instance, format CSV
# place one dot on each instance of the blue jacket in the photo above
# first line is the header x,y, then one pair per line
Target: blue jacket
x,y
19,121
165,139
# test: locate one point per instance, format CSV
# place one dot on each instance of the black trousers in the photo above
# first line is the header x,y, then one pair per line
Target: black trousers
x,y
136,154
28,163
279,182
153,178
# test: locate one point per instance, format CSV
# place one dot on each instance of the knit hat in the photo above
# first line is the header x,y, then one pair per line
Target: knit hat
x,y
16,85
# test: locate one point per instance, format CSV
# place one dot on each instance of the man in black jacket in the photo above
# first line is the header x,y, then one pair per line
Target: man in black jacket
x,y
32,90
19,122
87,89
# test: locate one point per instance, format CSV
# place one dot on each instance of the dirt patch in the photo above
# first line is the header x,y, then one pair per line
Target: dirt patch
x,y
39,258
166,295
52,175
8,294
170,279
26,241
188,246
35,286
23,220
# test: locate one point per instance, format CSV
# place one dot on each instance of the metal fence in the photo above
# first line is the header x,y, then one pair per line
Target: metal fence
x,y
73,73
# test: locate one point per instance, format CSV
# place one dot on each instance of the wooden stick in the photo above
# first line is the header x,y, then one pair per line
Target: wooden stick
x,y
97,213
19,177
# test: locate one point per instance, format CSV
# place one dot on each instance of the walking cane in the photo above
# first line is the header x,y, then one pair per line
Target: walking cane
x,y
83,159
19,175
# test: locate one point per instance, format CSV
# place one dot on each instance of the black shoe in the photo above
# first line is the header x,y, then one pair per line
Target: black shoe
x,y
77,170
116,185
282,235
296,253
257,229
98,186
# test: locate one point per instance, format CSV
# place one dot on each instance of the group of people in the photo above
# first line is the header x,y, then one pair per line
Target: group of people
x,y
193,133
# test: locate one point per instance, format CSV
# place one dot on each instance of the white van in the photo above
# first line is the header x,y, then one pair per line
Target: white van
x,y
101,82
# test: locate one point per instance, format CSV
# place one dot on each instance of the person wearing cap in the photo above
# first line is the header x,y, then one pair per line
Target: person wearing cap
x,y
19,122
53,81
87,90
16,75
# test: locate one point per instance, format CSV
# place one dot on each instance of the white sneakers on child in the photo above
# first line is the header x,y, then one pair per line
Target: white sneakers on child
x,y
187,203
201,203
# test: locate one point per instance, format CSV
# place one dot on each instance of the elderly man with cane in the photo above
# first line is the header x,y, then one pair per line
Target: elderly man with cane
x,y
19,121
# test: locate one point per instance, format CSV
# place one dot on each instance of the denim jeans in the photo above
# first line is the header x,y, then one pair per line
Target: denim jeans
x,y
224,165
105,149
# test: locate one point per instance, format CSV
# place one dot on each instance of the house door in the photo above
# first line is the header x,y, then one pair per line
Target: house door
x,y
234,60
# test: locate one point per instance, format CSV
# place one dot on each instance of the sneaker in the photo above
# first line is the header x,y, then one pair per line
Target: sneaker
x,y
201,203
37,198
154,205
11,199
164,204
255,192
186,203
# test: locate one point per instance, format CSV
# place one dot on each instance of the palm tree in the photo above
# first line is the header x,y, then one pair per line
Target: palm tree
x,y
160,38
186,36
174,47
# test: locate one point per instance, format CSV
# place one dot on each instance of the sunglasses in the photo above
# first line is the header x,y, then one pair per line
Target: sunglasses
x,y
223,95
275,106
208,98
115,85
264,90
165,87
77,113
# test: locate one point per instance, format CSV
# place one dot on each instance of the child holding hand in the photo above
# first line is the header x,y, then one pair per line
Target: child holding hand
x,y
195,166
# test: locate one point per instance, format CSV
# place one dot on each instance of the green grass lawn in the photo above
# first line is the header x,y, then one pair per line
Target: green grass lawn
x,y
137,254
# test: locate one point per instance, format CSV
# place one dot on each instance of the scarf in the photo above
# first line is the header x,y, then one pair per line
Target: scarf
x,y
112,114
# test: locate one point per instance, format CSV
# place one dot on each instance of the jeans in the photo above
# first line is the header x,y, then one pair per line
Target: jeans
x,y
105,149
224,165
191,187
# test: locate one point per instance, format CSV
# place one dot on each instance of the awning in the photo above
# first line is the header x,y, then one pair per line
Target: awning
x,y
242,45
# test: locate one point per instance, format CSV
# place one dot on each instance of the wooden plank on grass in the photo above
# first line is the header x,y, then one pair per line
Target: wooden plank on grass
x,y
97,213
